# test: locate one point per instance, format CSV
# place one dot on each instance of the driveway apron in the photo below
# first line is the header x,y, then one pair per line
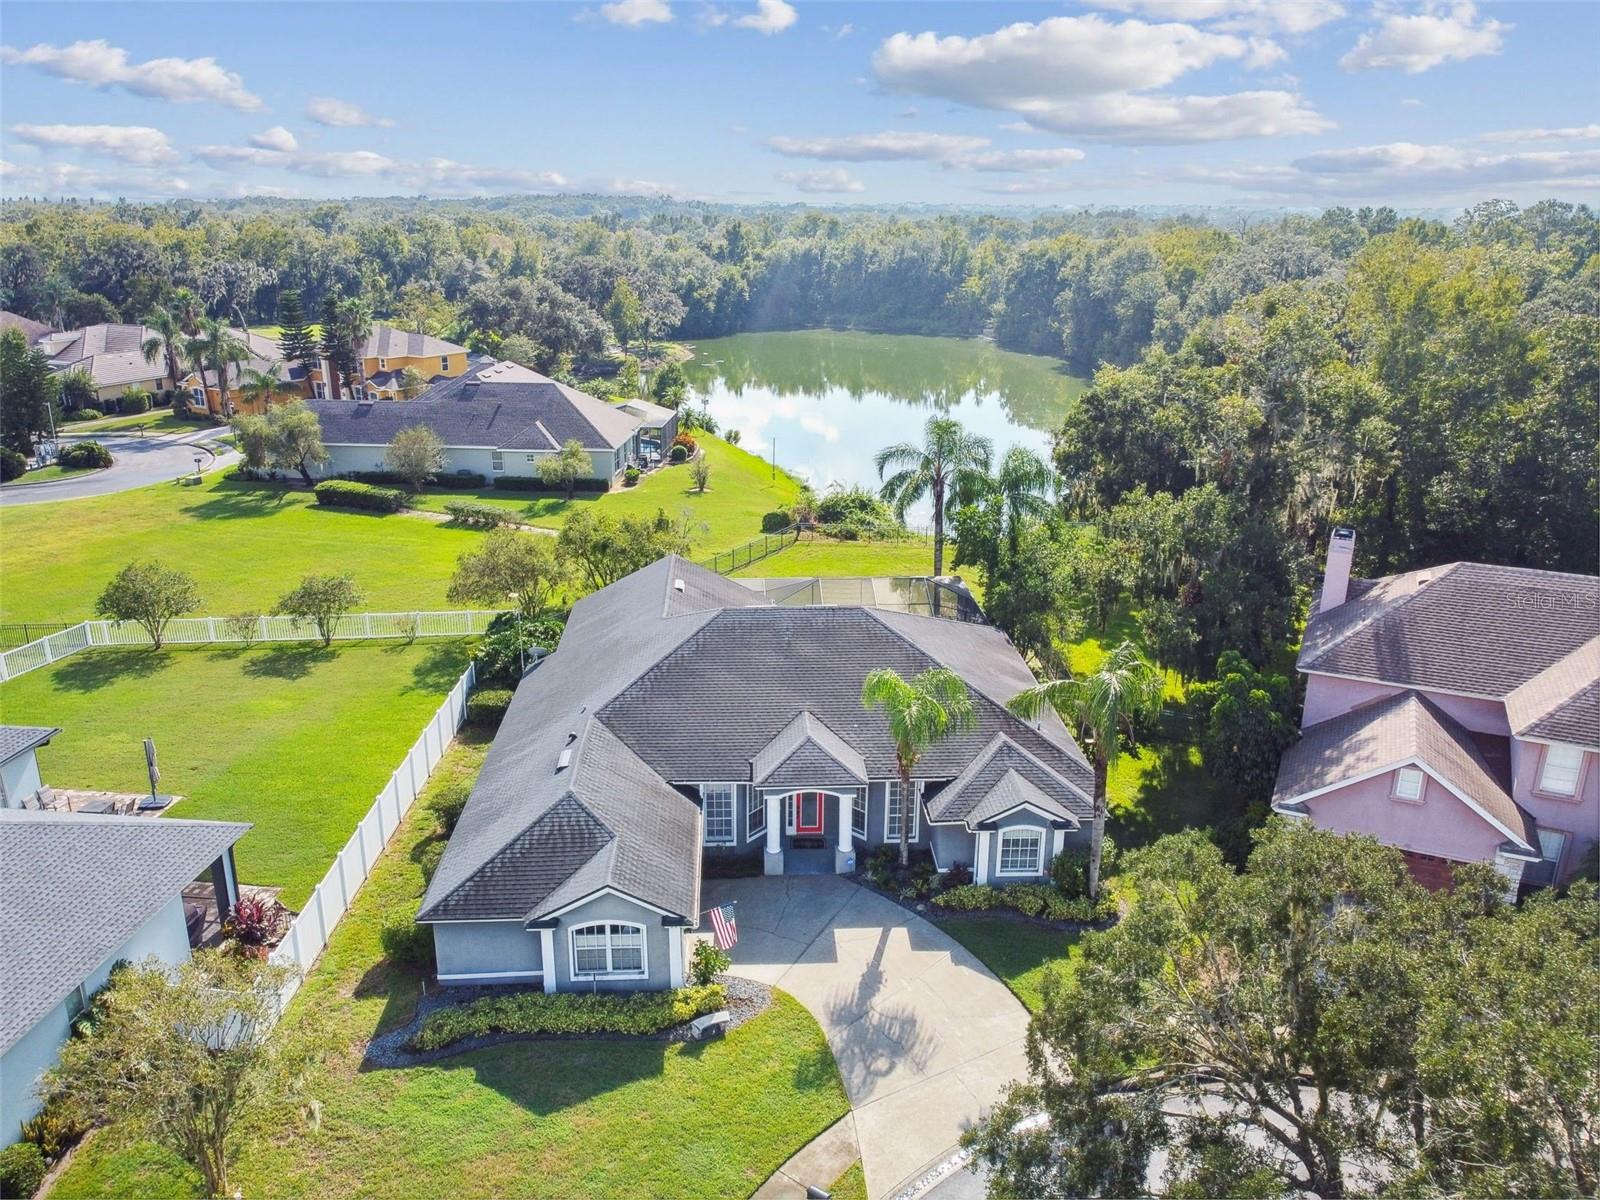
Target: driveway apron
x,y
925,1037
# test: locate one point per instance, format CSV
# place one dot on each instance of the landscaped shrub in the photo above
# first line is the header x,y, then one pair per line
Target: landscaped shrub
x,y
487,706
82,414
252,920
12,465
687,442
854,513
134,402
511,643
448,801
731,866
21,1170
483,516
957,875
85,454
775,521
405,943
54,1129
631,476
532,483
678,454
1030,899
708,962
637,1013
342,493
455,479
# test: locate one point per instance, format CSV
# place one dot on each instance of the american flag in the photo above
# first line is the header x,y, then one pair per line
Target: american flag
x,y
724,928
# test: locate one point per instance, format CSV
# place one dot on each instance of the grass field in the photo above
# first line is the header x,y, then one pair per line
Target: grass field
x,y
157,420
245,547
552,1119
294,738
46,474
914,556
1019,953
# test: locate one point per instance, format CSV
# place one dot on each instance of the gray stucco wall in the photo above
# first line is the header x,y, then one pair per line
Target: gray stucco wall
x,y
952,844
164,937
343,457
19,779
486,948
1078,838
657,940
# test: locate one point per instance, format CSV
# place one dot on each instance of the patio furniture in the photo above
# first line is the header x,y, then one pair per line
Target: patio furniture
x,y
48,800
105,807
194,917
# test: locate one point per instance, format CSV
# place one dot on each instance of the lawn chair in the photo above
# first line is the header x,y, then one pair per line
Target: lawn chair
x,y
49,801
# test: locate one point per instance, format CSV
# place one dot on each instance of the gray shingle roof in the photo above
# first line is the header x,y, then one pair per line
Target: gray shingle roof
x,y
805,751
498,405
1387,733
1465,627
982,791
74,887
1562,702
653,685
385,341
18,739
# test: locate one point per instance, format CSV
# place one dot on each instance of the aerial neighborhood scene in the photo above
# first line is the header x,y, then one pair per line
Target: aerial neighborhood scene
x,y
800,599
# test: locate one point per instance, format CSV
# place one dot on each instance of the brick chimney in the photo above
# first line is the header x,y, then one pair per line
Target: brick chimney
x,y
1336,575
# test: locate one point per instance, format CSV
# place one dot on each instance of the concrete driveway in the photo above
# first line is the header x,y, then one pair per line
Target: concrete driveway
x,y
925,1037
136,462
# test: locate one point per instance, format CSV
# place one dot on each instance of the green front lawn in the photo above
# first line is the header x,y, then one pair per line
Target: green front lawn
x,y
244,545
742,489
46,474
1019,953
293,738
913,556
157,420
555,1119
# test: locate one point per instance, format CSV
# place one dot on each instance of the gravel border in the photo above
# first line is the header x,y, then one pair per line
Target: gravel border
x,y
747,999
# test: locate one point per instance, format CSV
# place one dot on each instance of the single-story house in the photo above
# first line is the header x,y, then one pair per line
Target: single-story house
x,y
111,355
659,423
80,893
497,420
33,331
1454,713
19,763
684,716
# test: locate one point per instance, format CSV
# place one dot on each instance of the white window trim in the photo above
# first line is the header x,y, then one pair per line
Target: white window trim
x,y
1544,769
754,803
860,807
1001,835
1554,864
497,460
444,362
916,811
572,952
733,814
1398,792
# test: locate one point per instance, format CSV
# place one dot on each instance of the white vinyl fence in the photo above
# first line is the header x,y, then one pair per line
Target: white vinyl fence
x,y
190,631
330,899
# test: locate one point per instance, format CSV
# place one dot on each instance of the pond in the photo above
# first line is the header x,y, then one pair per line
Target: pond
x,y
831,400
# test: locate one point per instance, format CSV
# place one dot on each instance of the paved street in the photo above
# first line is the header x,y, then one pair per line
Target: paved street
x,y
925,1037
137,461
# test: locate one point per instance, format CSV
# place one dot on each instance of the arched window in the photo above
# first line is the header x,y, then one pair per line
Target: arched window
x,y
607,950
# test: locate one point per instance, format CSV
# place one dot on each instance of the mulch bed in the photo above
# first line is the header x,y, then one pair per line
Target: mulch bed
x,y
746,999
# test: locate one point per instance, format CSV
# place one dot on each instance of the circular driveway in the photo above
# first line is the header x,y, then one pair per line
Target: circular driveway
x,y
925,1037
136,462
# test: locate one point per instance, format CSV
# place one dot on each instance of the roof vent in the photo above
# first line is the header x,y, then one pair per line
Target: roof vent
x,y
469,390
572,736
677,585
1424,580
565,760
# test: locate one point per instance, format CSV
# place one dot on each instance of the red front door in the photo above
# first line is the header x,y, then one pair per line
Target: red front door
x,y
808,812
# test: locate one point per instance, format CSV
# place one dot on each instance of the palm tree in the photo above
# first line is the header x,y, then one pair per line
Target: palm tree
x,y
355,323
1100,708
950,465
1023,486
921,711
216,347
165,342
188,309
263,387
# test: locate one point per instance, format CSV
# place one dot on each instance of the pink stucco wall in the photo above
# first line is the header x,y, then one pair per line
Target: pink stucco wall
x,y
1441,825
1578,816
1328,696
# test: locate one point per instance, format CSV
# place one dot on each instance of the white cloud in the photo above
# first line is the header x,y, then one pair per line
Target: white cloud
x,y
888,146
1257,16
1417,42
98,64
276,138
634,13
1028,187
826,179
131,143
259,156
1412,102
327,110
771,16
1095,78
1568,133
70,179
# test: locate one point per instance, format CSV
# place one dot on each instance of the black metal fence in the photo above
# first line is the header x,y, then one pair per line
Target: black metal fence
x,y
12,636
753,551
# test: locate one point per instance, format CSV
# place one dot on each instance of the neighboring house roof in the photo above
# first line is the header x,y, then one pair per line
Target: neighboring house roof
x,y
676,675
1469,628
1002,776
19,739
385,341
1396,731
395,379
77,886
31,329
651,414
110,354
1562,702
805,751
498,405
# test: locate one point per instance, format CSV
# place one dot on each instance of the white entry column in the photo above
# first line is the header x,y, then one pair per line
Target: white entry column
x,y
844,858
772,860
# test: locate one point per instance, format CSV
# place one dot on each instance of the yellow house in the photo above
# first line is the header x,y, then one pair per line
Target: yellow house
x,y
205,397
384,360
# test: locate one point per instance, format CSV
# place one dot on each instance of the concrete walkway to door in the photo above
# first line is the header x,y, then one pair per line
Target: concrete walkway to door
x,y
925,1037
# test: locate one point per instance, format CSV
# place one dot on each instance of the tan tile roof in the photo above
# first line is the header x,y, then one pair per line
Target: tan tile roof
x,y
1401,728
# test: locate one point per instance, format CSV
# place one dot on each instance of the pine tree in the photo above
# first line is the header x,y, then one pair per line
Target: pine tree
x,y
296,342
335,347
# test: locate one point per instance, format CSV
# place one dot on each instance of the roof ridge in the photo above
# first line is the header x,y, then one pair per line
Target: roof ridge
x,y
1381,610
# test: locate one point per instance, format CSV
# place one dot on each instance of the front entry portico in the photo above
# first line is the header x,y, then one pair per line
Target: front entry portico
x,y
807,822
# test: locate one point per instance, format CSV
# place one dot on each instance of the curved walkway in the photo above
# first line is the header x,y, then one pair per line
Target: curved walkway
x,y
136,462
925,1037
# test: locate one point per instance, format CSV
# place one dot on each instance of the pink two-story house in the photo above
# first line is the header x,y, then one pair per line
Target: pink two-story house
x,y
1453,712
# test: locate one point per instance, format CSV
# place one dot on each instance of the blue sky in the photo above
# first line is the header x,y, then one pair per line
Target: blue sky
x,y
1278,102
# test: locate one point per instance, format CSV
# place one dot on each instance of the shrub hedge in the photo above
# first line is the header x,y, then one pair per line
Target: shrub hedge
x,y
468,512
1029,899
488,705
85,454
344,493
454,480
12,465
532,483
21,1170
637,1013
82,414
405,943
448,801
